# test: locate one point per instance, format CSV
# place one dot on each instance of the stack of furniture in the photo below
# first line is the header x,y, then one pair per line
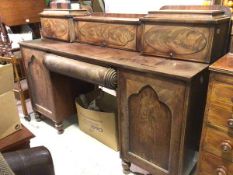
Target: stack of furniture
x,y
161,91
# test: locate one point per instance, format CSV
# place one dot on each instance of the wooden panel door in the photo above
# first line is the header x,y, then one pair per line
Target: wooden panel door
x,y
39,81
151,115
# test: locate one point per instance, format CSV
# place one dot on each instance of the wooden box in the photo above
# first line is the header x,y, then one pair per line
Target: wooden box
x,y
110,30
195,35
58,24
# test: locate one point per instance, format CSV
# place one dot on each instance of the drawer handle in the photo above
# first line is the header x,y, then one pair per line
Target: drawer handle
x,y
226,146
221,171
230,123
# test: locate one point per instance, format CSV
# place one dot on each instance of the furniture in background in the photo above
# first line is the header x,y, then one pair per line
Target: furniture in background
x,y
15,13
33,161
216,151
7,56
18,140
160,100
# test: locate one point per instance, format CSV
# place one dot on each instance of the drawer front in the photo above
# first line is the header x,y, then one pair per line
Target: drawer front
x,y
181,42
219,143
212,165
222,92
57,28
221,114
121,36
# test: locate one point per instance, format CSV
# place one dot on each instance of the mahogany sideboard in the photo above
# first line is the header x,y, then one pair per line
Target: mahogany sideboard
x,y
160,101
154,95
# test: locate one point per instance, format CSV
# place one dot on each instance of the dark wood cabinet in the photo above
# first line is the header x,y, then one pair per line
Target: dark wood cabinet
x,y
155,115
49,91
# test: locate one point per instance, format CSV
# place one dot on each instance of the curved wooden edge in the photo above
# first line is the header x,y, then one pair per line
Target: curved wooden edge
x,y
226,10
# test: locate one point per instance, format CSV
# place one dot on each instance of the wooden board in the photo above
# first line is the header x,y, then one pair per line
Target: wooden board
x,y
16,12
119,58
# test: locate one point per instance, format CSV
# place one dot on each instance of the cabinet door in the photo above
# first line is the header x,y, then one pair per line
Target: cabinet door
x,y
39,81
151,121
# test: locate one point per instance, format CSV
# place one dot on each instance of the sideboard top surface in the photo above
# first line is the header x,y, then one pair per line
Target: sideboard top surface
x,y
224,64
119,58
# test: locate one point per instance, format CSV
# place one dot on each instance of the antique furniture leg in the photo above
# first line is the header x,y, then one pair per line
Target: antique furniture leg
x,y
59,127
126,166
37,116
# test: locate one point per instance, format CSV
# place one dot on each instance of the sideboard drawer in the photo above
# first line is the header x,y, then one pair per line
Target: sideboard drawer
x,y
221,114
222,92
219,143
57,28
122,36
212,165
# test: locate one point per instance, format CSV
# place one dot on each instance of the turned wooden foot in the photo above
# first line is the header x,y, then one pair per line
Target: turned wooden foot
x,y
126,167
27,118
59,127
37,116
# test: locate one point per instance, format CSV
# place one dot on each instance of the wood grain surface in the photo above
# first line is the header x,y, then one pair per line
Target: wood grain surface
x,y
211,164
112,35
217,136
184,42
119,58
148,104
56,28
225,64
17,12
214,143
147,114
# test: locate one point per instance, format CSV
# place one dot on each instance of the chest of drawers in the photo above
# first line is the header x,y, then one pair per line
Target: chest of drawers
x,y
216,155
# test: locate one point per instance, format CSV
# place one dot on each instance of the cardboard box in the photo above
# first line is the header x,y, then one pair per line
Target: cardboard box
x,y
100,125
9,117
6,78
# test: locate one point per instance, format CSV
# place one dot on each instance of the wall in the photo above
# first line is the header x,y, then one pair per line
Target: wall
x,y
143,6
